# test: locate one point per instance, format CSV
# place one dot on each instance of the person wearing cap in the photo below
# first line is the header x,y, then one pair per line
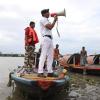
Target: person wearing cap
x,y
47,43
31,39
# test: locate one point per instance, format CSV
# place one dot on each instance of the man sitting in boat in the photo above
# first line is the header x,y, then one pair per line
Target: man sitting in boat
x,y
31,39
83,57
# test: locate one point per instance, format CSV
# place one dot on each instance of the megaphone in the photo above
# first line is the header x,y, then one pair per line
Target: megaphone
x,y
62,13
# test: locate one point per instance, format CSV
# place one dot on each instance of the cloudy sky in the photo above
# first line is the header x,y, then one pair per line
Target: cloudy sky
x,y
80,27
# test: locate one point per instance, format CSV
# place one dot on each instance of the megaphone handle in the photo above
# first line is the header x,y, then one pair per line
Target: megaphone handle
x,y
57,29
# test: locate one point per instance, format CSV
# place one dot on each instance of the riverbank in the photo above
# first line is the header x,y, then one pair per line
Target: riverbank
x,y
11,55
84,87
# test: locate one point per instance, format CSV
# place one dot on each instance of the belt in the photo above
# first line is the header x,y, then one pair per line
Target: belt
x,y
49,36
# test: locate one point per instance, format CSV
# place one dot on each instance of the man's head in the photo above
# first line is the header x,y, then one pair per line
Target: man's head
x,y
83,48
45,13
32,24
57,45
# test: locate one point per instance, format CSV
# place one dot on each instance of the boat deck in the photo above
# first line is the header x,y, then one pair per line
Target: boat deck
x,y
32,74
35,77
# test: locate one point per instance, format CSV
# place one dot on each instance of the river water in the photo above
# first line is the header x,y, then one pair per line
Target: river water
x,y
6,65
82,87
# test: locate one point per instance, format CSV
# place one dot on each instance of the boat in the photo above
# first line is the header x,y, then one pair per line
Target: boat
x,y
72,63
36,86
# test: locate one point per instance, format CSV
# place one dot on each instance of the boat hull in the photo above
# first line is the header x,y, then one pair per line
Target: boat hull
x,y
32,86
91,70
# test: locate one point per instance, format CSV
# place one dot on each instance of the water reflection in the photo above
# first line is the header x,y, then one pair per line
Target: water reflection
x,y
20,95
16,95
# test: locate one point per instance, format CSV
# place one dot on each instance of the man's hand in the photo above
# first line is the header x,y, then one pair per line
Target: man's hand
x,y
55,18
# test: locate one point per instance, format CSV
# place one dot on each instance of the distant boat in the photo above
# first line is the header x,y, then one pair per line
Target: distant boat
x,y
72,63
39,86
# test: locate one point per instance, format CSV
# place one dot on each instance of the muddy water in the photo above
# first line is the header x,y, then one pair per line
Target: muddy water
x,y
6,65
82,87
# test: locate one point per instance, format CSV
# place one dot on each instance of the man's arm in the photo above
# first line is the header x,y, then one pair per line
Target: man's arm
x,y
50,26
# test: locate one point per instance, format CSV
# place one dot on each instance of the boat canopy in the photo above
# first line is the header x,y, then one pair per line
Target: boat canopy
x,y
74,60
96,59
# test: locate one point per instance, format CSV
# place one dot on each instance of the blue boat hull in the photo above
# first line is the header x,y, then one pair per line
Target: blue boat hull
x,y
32,87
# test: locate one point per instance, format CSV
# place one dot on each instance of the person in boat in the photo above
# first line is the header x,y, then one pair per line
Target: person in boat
x,y
37,57
47,43
56,56
31,39
83,57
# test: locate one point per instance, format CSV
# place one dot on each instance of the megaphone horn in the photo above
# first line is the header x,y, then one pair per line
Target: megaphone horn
x,y
62,13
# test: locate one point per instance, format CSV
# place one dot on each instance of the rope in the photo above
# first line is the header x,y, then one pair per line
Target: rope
x,y
57,29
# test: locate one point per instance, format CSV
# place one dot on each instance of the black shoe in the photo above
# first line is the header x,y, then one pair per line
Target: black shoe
x,y
51,75
41,75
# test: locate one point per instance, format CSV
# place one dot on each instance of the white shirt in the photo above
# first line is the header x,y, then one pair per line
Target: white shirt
x,y
43,29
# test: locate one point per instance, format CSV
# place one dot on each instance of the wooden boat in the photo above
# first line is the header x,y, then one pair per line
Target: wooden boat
x,y
96,59
93,66
63,60
39,86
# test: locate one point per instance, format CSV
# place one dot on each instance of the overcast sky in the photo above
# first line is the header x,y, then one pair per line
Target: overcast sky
x,y
80,27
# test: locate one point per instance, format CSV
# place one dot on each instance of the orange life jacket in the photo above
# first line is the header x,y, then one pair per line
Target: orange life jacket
x,y
31,37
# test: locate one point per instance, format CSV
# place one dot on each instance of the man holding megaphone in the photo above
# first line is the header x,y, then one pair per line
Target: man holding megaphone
x,y
47,43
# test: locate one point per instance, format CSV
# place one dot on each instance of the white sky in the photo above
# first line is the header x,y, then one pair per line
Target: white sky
x,y
81,27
